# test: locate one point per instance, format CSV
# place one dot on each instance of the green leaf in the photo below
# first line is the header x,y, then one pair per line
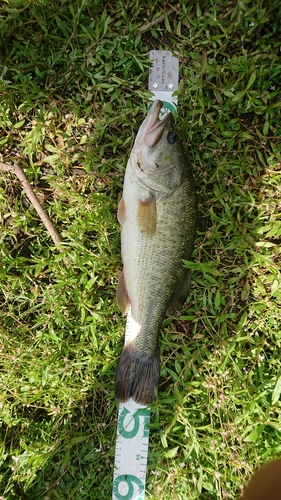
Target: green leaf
x,y
200,482
50,148
166,22
242,322
80,439
276,391
275,287
51,159
218,299
163,439
3,141
228,93
261,158
239,96
172,452
251,80
265,127
255,434
90,283
208,486
19,124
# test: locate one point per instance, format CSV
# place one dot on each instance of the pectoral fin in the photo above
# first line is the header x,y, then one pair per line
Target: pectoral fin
x,y
147,216
122,297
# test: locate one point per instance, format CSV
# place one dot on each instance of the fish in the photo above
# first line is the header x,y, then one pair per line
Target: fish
x,y
158,218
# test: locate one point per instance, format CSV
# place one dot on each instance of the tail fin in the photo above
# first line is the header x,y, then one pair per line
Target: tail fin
x,y
137,377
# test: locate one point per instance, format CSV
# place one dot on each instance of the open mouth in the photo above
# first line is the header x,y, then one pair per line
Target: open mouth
x,y
153,128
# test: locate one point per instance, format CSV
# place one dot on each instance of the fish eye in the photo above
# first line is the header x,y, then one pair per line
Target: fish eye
x,y
172,137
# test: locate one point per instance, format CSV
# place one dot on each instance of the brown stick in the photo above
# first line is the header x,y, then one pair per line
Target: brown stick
x,y
156,21
17,170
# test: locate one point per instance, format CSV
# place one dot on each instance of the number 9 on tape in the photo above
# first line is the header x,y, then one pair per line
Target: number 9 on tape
x,y
128,483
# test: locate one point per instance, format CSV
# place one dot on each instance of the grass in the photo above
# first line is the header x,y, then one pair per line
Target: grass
x,y
73,94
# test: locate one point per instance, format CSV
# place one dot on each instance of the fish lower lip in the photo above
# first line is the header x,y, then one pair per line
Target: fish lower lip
x,y
155,118
160,122
154,134
156,126
152,119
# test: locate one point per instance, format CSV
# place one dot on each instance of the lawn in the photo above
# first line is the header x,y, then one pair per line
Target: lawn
x,y
73,93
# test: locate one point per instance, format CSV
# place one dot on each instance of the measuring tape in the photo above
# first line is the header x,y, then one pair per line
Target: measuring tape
x,y
132,440
131,446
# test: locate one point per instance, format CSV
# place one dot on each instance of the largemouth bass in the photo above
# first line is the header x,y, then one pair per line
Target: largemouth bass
x,y
157,214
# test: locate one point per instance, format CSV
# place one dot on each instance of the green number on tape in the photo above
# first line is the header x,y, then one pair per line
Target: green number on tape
x,y
130,481
136,418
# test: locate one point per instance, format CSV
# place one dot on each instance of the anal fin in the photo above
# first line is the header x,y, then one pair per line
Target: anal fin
x,y
122,296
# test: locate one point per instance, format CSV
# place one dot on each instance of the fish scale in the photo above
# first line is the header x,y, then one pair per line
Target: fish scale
x,y
154,283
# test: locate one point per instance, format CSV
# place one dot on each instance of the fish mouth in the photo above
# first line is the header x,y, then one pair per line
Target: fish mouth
x,y
153,129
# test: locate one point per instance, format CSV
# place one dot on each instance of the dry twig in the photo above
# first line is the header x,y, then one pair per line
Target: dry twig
x,y
17,170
